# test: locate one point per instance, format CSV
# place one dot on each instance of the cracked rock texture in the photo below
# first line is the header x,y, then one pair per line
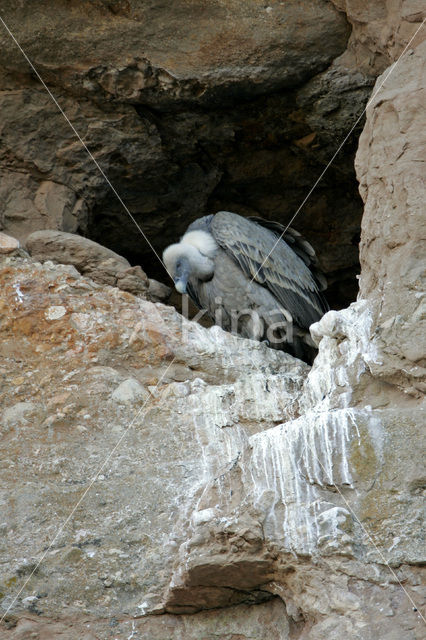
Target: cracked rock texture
x,y
188,107
94,260
164,481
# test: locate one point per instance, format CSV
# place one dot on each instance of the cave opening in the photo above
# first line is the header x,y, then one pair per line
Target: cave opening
x,y
258,156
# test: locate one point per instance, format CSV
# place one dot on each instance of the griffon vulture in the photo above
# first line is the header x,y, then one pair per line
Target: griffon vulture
x,y
249,280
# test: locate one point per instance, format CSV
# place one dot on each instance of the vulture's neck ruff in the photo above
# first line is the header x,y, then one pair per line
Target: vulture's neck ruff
x,y
192,257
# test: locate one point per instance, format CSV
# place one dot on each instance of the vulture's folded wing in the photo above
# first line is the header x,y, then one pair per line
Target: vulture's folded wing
x,y
300,246
271,262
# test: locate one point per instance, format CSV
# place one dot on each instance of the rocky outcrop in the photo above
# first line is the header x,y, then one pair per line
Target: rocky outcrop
x,y
342,500
94,260
234,109
212,471
159,55
8,244
380,31
161,479
389,165
91,369
263,622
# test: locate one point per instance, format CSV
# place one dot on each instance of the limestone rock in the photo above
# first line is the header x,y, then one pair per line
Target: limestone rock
x,y
187,109
266,621
89,258
92,365
58,206
16,414
392,256
68,248
157,291
7,243
129,391
380,31
289,497
159,54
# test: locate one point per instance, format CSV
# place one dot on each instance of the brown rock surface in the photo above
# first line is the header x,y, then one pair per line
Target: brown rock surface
x,y
381,30
390,166
266,621
95,261
86,256
80,362
189,50
185,116
213,471
8,244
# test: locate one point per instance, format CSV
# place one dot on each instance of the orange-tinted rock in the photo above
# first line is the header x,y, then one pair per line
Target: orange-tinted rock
x,y
7,243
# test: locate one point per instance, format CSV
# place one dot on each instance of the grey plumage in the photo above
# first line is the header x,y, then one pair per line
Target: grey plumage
x,y
232,264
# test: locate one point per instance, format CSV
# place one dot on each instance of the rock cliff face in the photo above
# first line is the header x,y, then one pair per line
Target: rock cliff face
x,y
163,480
236,108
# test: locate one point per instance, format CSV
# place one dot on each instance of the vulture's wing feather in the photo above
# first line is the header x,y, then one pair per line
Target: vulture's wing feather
x,y
278,268
299,245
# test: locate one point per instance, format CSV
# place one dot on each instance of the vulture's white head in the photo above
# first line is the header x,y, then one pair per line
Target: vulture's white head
x,y
192,257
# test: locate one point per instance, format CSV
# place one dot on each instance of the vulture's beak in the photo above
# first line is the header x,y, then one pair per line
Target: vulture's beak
x,y
180,286
182,273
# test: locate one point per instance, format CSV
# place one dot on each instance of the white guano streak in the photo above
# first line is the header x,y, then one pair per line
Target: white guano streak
x,y
288,466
